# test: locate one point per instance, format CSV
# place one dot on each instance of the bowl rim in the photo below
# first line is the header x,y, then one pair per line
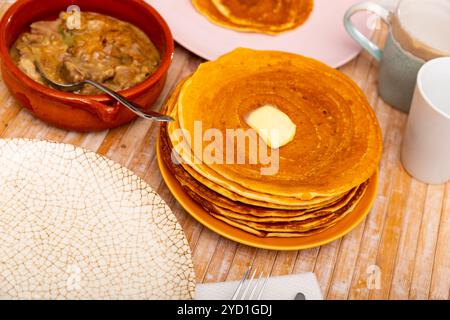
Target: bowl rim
x,y
167,57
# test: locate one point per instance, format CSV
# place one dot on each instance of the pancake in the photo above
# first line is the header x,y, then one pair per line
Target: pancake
x,y
307,223
271,217
337,145
312,223
294,229
231,189
263,16
264,234
208,205
223,205
285,223
323,171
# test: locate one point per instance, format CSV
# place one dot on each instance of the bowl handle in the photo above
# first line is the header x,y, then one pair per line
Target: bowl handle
x,y
106,113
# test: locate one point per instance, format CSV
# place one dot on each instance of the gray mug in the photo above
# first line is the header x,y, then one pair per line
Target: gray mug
x,y
398,67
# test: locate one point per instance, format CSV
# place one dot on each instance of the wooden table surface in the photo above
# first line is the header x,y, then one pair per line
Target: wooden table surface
x,y
404,242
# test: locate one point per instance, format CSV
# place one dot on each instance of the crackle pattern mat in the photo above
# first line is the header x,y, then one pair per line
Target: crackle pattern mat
x,y
75,225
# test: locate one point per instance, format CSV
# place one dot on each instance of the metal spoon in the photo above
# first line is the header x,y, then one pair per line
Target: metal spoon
x,y
151,115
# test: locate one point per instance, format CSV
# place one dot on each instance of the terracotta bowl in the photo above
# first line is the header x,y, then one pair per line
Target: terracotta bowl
x,y
82,112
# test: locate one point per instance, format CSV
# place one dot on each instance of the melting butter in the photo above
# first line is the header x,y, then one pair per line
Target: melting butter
x,y
274,127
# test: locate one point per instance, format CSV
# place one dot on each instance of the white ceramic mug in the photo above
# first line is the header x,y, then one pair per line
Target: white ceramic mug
x,y
426,144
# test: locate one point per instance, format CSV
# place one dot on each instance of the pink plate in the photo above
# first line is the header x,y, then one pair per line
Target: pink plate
x,y
322,36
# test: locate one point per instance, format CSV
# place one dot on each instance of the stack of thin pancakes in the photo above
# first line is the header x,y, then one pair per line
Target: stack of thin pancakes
x,y
321,175
264,16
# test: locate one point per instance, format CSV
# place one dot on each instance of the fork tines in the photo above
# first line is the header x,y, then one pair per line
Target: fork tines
x,y
249,288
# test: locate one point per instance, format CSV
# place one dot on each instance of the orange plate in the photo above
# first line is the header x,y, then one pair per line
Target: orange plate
x,y
339,230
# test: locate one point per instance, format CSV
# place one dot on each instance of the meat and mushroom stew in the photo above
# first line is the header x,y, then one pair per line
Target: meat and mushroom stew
x,y
100,48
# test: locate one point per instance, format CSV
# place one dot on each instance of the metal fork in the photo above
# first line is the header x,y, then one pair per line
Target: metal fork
x,y
150,115
249,288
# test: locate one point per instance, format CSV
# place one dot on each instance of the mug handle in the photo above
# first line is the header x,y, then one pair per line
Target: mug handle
x,y
368,45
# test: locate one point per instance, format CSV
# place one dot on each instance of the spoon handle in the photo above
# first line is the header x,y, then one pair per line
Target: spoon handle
x,y
300,296
152,115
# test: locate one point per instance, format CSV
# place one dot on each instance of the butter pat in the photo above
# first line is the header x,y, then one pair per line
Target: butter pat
x,y
274,127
